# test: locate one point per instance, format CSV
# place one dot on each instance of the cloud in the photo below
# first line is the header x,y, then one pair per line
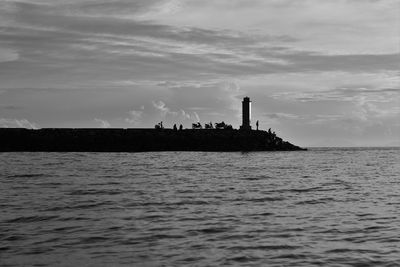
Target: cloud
x,y
17,123
103,123
135,116
7,55
184,114
331,26
377,88
282,116
51,38
113,7
163,109
179,115
196,116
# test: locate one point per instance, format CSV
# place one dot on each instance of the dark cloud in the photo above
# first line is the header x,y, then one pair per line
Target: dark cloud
x,y
110,7
9,107
357,63
367,90
346,94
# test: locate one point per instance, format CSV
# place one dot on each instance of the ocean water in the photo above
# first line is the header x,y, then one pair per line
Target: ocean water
x,y
322,207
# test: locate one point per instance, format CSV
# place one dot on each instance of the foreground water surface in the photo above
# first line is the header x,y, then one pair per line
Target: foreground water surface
x,y
319,207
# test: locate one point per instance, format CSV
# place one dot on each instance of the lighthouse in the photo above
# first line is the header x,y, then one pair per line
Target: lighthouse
x,y
246,114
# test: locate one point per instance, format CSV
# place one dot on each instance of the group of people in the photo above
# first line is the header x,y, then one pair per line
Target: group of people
x,y
161,126
176,128
221,125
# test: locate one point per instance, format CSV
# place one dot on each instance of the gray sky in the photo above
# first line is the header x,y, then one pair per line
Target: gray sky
x,y
319,72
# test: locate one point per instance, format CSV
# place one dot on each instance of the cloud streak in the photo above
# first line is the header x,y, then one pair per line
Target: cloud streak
x,y
103,123
17,123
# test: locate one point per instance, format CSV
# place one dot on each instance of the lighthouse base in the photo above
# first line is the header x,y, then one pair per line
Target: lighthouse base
x,y
245,127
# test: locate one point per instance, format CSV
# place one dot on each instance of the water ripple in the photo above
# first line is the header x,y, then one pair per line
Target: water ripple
x,y
323,207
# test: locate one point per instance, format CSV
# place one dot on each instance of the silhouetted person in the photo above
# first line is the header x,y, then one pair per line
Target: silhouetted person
x,y
175,128
257,125
159,126
180,127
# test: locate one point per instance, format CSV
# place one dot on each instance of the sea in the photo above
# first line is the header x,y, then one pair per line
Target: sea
x,y
321,207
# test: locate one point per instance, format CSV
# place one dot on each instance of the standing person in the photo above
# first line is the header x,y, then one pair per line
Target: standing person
x,y
257,125
180,127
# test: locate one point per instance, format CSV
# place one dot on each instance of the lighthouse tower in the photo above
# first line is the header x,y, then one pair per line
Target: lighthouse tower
x,y
246,114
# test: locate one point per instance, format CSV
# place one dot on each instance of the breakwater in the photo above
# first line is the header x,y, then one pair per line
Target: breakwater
x,y
139,140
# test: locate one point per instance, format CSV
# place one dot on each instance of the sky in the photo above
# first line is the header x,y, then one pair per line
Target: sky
x,y
318,72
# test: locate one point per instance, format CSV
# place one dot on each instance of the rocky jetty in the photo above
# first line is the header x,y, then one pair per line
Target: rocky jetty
x,y
140,140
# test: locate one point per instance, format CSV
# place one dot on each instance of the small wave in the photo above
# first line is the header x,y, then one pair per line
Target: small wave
x,y
262,199
350,250
265,247
30,219
377,218
52,184
36,251
237,236
77,207
166,236
144,204
190,202
291,256
26,175
150,238
212,230
252,178
46,241
365,214
186,191
74,218
65,228
195,218
191,259
305,190
131,241
315,201
390,240
14,238
260,214
87,206
265,199
95,192
376,227
243,259
152,216
93,239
